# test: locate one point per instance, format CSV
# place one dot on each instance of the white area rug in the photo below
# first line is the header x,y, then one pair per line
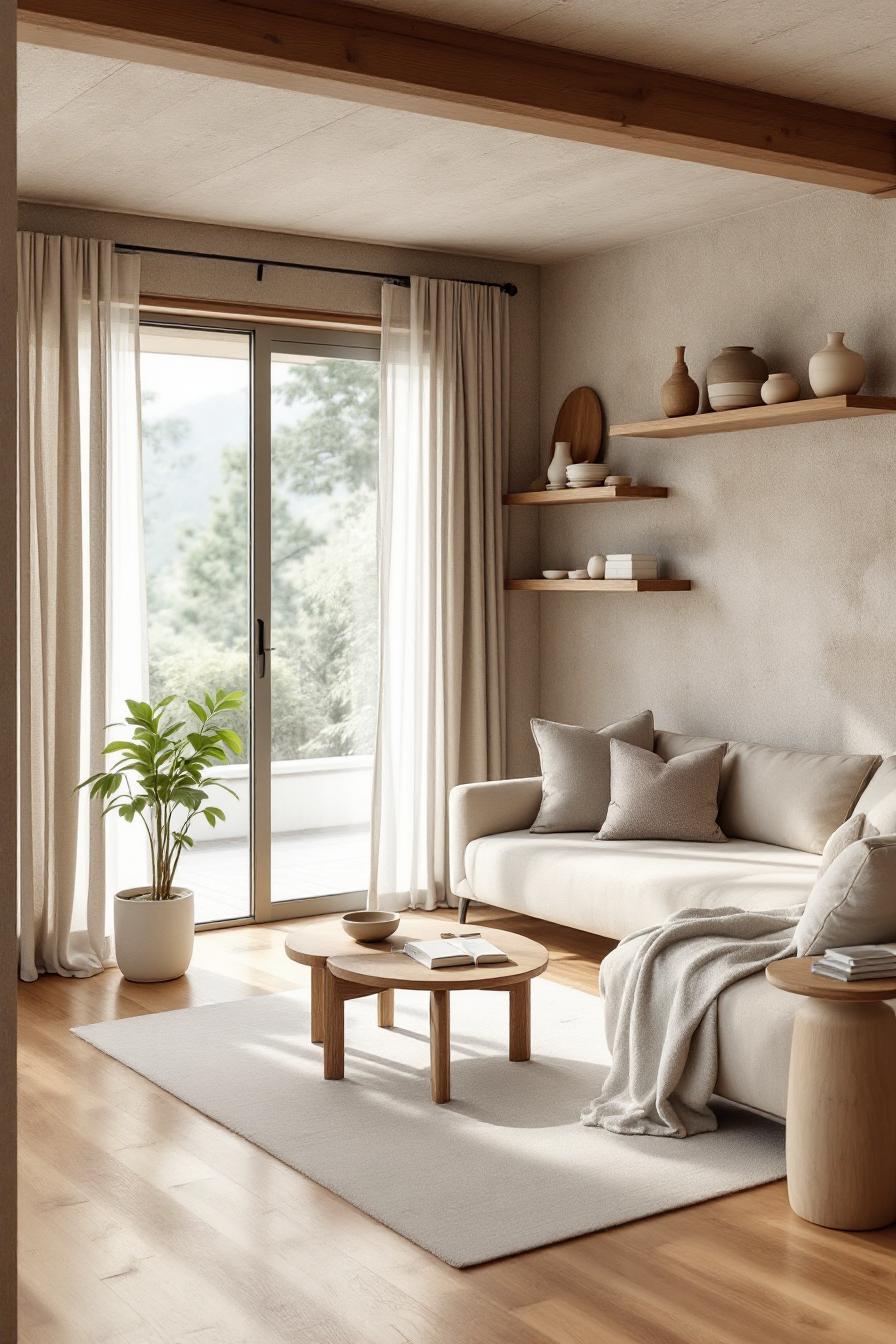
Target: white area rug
x,y
504,1167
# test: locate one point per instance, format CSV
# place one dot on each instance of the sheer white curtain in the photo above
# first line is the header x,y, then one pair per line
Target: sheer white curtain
x,y
82,603
443,462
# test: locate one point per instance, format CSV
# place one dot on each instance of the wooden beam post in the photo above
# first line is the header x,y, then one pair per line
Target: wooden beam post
x,y
377,56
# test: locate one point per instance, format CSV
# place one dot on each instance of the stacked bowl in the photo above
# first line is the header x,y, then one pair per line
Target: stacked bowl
x,y
581,474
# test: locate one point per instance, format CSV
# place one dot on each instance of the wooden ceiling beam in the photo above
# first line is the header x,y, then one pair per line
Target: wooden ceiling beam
x,y
375,56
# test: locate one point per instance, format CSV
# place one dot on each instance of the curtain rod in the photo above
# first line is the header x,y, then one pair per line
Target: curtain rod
x,y
259,264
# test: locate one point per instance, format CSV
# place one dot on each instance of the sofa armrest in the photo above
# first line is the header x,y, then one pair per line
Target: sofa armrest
x,y
475,810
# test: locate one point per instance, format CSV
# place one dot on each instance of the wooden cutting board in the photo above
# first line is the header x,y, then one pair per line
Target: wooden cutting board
x,y
580,423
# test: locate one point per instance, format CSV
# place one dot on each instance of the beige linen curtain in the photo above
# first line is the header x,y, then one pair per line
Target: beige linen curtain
x,y
80,503
444,411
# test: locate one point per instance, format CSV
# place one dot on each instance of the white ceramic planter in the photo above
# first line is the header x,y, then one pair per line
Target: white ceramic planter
x,y
153,939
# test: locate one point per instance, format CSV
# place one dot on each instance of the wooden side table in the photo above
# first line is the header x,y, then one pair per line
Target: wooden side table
x,y
841,1098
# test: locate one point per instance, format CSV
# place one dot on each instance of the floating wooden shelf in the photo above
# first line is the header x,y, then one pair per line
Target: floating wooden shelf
x,y
601,585
588,494
756,417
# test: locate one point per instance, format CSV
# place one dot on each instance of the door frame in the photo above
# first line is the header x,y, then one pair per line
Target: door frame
x,y
265,340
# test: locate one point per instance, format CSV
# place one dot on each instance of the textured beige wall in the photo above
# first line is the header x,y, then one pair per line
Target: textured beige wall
x,y
7,673
789,535
219,280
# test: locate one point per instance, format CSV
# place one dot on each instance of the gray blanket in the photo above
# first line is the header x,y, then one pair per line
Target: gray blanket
x,y
661,990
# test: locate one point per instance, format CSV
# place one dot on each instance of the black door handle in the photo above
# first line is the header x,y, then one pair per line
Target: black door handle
x,y
263,649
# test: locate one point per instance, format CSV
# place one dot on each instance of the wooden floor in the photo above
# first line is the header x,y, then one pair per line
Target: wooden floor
x,y
143,1222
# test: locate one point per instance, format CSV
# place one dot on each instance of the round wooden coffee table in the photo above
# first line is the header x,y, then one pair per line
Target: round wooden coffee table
x,y
841,1098
342,969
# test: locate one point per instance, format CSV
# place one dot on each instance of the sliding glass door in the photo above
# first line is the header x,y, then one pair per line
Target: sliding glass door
x,y
260,499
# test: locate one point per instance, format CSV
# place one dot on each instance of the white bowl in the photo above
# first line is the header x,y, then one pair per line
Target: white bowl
x,y
586,471
554,573
578,573
370,926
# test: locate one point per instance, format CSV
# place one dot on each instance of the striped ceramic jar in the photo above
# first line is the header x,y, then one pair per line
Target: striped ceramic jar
x,y
735,377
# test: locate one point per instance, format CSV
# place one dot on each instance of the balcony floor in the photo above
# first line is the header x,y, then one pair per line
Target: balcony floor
x,y
303,864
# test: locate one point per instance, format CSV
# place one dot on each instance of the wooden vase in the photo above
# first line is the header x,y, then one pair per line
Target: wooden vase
x,y
679,394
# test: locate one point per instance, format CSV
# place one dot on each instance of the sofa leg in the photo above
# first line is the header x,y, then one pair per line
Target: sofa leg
x,y
463,907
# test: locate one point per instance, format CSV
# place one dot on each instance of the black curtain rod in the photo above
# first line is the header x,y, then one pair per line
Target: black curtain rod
x,y
259,264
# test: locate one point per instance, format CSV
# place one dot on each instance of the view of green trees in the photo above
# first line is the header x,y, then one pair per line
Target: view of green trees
x,y
323,553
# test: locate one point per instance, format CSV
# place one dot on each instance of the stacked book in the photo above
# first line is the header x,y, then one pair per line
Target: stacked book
x,y
864,962
630,566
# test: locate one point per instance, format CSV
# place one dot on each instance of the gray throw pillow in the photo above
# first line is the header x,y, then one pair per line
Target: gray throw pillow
x,y
653,799
853,901
575,770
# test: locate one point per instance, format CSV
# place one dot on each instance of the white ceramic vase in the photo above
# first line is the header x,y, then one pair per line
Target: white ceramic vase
x,y
780,387
597,566
559,462
153,939
836,369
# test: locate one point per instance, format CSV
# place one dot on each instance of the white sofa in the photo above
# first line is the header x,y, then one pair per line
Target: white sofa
x,y
777,807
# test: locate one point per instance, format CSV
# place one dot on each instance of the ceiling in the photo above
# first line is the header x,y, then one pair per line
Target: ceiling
x,y
840,52
108,134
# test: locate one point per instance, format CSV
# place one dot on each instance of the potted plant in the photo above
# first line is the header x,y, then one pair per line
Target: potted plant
x,y
162,776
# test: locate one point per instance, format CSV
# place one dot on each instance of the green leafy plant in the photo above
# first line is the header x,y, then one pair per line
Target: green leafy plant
x,y
163,774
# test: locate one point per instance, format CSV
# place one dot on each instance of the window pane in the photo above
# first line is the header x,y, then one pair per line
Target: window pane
x,y
324,414
196,415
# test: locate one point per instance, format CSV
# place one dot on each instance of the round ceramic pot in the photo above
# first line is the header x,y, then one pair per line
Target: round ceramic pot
x,y
836,369
153,939
735,377
780,387
679,394
597,566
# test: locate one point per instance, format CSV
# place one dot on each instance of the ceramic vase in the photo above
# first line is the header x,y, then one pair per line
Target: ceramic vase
x,y
559,462
780,387
836,369
735,377
597,566
679,394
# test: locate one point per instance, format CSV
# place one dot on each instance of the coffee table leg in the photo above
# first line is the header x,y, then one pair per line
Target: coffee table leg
x,y
334,1028
385,1008
440,1044
317,1004
520,1022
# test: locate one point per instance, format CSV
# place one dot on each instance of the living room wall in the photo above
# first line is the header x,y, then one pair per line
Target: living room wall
x,y
788,636
226,282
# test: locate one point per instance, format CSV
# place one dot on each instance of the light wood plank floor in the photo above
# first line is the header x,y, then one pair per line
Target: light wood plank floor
x,y
143,1222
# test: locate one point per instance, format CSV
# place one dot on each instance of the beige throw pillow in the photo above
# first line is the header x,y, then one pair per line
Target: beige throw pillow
x,y
651,799
575,770
853,901
852,830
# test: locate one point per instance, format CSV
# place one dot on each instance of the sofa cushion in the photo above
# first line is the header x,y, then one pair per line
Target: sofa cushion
x,y
853,901
796,799
575,770
852,830
755,1031
878,801
617,889
881,785
653,799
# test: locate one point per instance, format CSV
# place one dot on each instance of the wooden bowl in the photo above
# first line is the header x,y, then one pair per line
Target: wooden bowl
x,y
370,926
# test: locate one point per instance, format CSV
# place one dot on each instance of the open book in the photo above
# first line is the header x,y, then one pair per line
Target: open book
x,y
438,952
